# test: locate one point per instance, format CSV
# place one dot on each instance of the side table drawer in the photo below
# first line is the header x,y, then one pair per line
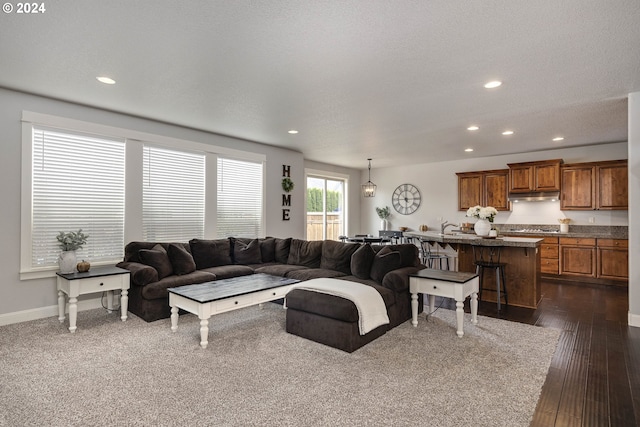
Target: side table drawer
x,y
436,288
99,284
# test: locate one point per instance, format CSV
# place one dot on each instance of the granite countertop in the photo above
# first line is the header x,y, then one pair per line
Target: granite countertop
x,y
472,239
581,231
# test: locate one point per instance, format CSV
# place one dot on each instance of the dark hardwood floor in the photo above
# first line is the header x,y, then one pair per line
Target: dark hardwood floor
x,y
594,377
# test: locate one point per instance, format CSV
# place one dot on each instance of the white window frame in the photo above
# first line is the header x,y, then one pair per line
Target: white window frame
x,y
133,178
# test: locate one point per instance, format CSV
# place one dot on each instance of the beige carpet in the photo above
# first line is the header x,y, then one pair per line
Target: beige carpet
x,y
254,373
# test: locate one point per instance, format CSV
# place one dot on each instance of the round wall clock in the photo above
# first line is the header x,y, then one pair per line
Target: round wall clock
x,y
406,199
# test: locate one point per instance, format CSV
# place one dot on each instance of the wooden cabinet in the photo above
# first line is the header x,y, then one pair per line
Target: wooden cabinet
x,y
613,259
484,188
549,255
534,176
595,186
578,256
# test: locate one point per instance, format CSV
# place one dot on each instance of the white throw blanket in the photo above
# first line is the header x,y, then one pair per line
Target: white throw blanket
x,y
371,309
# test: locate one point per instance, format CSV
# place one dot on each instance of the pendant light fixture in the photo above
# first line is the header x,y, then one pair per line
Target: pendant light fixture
x,y
369,189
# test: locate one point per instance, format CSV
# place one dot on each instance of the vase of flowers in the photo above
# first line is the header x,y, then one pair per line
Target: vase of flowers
x,y
485,216
383,214
69,243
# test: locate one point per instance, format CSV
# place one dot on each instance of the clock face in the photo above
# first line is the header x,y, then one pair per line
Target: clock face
x,y
406,199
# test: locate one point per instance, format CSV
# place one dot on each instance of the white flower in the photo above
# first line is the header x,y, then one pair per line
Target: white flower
x,y
488,212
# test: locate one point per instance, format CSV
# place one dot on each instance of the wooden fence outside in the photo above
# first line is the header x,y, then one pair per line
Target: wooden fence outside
x,y
315,224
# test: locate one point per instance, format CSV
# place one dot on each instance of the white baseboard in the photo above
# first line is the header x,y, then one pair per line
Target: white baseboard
x,y
50,311
634,320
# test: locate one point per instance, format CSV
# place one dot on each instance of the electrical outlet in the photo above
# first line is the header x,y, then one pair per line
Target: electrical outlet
x,y
592,220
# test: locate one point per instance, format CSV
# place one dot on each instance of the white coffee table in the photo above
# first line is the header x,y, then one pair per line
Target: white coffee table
x,y
449,284
98,279
210,298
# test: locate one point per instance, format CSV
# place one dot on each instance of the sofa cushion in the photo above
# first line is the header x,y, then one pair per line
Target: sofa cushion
x,y
313,273
181,260
385,261
306,253
282,247
409,254
227,271
159,289
268,249
210,253
158,259
247,252
279,269
361,261
337,256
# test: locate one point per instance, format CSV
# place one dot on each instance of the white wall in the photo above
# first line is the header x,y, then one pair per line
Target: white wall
x,y
33,296
634,208
438,185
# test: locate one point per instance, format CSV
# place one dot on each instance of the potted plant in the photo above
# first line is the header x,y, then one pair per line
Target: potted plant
x,y
69,243
383,214
485,217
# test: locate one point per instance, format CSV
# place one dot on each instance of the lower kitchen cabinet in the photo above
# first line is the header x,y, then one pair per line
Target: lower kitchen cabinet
x,y
549,256
613,259
578,257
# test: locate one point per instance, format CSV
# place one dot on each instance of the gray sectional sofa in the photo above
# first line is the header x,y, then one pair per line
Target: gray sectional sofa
x,y
155,267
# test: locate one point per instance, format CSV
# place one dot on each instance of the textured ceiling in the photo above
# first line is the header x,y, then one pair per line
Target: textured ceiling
x,y
398,81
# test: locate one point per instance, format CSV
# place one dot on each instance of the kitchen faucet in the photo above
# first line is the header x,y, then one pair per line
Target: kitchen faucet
x,y
444,225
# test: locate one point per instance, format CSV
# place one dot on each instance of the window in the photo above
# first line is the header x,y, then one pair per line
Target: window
x,y
239,198
172,195
77,183
325,208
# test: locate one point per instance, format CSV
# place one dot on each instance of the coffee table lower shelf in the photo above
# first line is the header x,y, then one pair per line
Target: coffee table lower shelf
x,y
223,296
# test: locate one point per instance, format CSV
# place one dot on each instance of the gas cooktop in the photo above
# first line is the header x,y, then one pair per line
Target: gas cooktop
x,y
535,230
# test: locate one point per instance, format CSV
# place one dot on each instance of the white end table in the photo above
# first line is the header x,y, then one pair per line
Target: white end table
x,y
98,279
449,284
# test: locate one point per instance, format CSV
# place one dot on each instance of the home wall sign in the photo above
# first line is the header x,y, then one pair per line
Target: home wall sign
x,y
287,186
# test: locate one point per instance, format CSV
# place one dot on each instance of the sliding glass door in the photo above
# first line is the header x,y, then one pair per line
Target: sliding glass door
x,y
325,208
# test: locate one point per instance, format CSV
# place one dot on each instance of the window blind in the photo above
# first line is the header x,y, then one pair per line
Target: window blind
x,y
239,198
77,183
173,195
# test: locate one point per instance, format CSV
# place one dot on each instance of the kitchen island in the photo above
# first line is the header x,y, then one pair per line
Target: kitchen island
x,y
521,254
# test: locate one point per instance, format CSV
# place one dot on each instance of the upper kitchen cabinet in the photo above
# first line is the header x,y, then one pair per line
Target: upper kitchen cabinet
x,y
485,188
595,186
534,176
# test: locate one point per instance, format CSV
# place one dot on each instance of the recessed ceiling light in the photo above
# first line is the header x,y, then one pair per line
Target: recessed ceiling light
x,y
493,84
507,132
106,80
468,150
293,131
473,128
558,138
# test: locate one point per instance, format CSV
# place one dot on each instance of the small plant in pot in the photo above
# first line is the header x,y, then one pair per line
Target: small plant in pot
x,y
69,243
383,214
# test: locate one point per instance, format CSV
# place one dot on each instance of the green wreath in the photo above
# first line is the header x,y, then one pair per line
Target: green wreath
x,y
287,184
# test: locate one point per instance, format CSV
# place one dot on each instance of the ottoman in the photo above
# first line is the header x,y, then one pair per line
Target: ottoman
x,y
329,319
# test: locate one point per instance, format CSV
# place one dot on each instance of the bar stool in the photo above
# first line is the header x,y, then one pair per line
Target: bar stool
x,y
431,259
488,257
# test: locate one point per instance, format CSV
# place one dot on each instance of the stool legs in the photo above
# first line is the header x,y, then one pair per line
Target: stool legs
x,y
501,288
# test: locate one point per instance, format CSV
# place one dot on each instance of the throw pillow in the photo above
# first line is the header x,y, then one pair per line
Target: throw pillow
x,y
210,253
157,258
247,253
181,260
361,261
282,250
385,261
268,249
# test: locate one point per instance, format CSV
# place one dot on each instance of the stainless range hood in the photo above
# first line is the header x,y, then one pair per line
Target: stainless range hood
x,y
550,196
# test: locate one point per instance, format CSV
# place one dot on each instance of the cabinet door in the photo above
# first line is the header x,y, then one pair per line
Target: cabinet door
x,y
547,177
613,263
612,186
496,190
578,261
578,184
520,179
469,191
